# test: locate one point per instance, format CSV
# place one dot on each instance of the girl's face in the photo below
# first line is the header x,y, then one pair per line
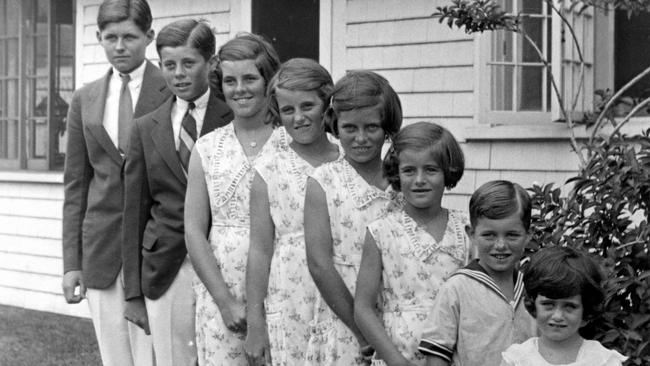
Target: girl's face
x,y
559,319
421,178
361,134
243,88
301,113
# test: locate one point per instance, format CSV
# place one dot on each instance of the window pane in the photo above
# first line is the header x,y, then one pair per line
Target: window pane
x,y
11,17
12,57
533,28
530,87
12,98
532,6
502,46
502,87
37,139
9,139
36,100
41,55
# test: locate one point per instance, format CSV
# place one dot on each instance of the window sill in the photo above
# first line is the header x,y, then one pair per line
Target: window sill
x,y
31,177
544,131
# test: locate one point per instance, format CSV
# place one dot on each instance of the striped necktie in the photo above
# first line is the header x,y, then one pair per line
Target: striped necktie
x,y
124,114
187,137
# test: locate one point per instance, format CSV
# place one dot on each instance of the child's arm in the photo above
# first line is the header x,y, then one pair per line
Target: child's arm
x,y
436,361
197,227
318,240
365,299
262,234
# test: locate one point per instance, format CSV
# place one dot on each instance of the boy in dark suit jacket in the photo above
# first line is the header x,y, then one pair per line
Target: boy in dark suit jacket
x,y
98,123
154,253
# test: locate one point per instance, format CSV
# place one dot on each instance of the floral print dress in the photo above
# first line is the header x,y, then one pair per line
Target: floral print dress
x,y
352,204
228,175
292,293
414,266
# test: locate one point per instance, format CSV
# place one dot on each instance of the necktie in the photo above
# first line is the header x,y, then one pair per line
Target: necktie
x,y
187,136
125,114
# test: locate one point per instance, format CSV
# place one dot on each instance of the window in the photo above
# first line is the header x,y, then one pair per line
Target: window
x,y
36,82
631,36
515,87
291,26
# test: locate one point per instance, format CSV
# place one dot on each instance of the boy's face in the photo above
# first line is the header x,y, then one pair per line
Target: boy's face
x,y
500,243
185,71
125,44
559,319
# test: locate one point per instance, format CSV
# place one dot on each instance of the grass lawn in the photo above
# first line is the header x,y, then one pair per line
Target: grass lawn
x,y
35,338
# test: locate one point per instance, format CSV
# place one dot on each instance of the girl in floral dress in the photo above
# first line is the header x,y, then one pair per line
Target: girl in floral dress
x,y
408,253
278,327
342,197
217,200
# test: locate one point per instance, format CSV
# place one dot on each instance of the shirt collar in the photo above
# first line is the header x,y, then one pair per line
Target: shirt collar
x,y
199,103
475,271
136,75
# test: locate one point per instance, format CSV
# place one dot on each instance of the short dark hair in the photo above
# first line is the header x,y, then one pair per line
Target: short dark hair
x,y
246,46
193,33
558,272
115,11
499,199
298,74
421,136
365,89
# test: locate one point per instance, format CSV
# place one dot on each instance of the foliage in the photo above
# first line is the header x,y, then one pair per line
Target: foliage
x,y
476,16
606,213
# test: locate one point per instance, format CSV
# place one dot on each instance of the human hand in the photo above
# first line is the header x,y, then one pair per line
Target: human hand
x,y
71,280
135,311
257,347
233,314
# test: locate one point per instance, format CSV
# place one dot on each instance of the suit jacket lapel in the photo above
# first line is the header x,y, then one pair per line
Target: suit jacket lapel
x,y
217,114
154,84
95,118
163,139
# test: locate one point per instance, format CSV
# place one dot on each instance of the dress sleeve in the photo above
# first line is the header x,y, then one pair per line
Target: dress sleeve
x,y
441,330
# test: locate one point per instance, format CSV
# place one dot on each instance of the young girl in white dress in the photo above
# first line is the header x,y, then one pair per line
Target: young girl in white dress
x,y
278,326
217,201
563,291
342,198
408,253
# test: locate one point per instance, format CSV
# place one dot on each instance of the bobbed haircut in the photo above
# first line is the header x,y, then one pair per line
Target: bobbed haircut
x,y
499,199
187,32
115,11
365,89
298,74
560,272
246,46
422,136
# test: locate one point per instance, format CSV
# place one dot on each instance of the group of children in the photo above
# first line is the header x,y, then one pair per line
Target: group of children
x,y
309,248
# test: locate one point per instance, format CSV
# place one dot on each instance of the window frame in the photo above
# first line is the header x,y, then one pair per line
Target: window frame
x,y
483,59
26,124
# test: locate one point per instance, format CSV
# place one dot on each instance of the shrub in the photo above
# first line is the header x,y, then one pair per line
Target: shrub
x,y
606,213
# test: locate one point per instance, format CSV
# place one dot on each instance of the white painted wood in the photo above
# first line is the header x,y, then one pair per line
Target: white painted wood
x,y
30,246
30,281
26,207
42,302
30,226
30,263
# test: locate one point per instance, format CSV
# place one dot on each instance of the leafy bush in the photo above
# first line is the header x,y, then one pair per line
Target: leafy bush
x,y
606,213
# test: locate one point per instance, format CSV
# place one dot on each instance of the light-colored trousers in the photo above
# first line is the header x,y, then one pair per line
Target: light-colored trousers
x,y
171,320
121,343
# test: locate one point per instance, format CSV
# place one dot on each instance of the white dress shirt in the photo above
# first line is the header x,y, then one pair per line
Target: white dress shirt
x,y
112,106
180,108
